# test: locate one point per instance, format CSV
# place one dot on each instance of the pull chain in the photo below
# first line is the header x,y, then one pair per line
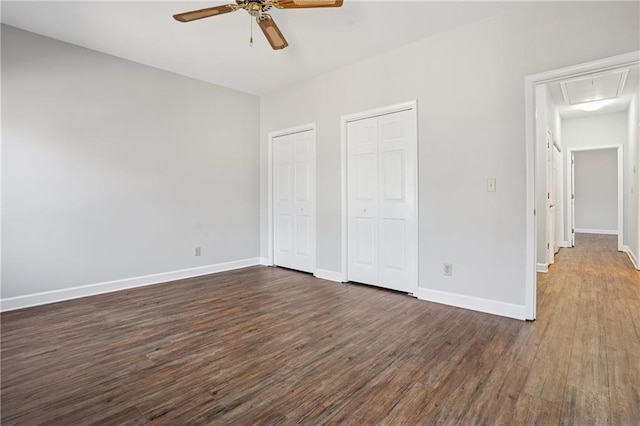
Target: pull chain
x,y
251,31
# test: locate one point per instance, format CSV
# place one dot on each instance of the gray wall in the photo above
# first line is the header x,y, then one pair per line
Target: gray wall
x,y
113,170
469,83
596,190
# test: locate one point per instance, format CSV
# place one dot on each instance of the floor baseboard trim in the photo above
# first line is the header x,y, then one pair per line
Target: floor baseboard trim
x,y
632,257
488,306
19,302
596,231
541,267
328,275
264,261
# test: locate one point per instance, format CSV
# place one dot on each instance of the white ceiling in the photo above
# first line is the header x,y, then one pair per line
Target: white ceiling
x,y
217,49
606,85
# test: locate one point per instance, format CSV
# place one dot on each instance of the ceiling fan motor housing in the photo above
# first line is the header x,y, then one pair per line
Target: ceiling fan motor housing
x,y
255,7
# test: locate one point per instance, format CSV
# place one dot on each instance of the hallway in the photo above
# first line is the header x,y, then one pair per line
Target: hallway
x,y
588,360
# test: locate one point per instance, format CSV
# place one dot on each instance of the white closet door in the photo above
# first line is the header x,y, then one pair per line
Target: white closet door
x,y
382,241
362,209
398,233
294,201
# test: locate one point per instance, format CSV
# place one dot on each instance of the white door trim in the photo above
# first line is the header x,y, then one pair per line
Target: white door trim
x,y
270,137
530,83
570,180
345,119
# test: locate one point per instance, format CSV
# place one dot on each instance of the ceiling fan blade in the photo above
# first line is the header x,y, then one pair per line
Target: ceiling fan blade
x,y
271,32
295,4
205,13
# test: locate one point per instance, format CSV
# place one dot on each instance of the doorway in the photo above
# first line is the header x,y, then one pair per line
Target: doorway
x,y
596,184
532,82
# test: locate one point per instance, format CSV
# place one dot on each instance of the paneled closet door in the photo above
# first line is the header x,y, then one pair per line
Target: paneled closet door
x,y
382,198
362,208
294,201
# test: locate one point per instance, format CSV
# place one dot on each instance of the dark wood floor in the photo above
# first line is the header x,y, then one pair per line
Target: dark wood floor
x,y
266,346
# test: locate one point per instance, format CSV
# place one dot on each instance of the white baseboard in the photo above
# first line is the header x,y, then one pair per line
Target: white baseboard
x,y
596,231
329,275
542,267
43,298
264,261
632,257
474,303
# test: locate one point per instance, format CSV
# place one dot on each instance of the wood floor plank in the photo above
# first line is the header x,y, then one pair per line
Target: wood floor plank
x,y
581,407
588,362
272,346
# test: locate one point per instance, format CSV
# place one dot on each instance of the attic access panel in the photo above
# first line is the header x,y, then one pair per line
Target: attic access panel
x,y
595,87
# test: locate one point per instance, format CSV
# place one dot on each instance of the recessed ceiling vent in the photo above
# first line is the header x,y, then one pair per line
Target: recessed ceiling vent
x,y
595,87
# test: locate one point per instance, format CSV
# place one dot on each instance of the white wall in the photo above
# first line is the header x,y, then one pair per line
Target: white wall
x,y
595,130
113,170
471,120
596,191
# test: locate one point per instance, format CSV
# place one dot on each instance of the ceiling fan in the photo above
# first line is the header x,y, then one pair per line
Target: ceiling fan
x,y
258,9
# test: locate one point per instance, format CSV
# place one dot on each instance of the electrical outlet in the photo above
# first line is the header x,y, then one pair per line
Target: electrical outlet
x,y
447,270
198,251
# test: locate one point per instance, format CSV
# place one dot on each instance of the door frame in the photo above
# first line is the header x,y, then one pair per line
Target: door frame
x,y
344,120
620,196
530,83
270,137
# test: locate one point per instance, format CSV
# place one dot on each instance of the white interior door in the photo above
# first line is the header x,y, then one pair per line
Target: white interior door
x,y
551,189
362,210
294,209
382,201
558,198
572,216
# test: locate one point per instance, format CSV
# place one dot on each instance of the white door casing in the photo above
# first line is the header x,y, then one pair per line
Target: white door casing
x,y
382,242
293,199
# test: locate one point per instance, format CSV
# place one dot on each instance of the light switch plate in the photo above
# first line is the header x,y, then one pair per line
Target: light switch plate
x,y
491,185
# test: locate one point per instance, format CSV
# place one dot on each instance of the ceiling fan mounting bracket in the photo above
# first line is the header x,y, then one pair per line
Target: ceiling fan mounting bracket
x,y
254,8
